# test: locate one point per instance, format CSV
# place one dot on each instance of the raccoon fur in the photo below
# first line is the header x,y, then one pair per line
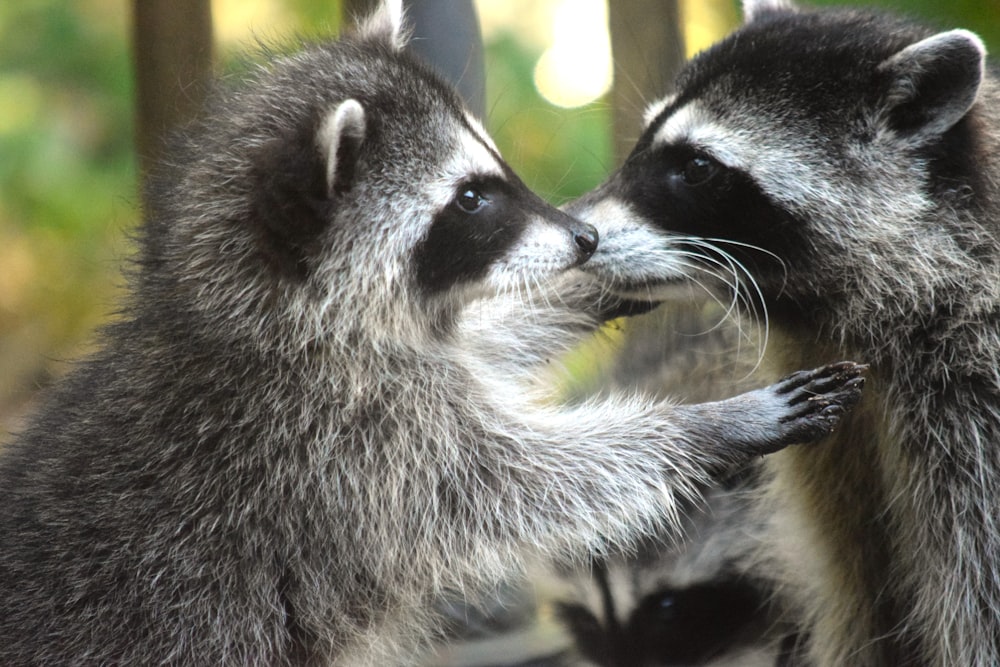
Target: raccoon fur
x,y
845,165
680,597
692,596
288,445
676,602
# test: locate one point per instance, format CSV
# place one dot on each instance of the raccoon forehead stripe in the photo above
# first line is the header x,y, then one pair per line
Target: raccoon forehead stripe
x,y
476,157
656,108
694,126
482,154
679,126
481,132
470,160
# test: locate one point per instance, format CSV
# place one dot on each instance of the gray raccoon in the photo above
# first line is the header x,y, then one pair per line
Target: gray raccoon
x,y
287,446
849,163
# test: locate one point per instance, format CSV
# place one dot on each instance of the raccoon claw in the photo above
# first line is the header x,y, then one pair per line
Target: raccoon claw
x,y
820,398
818,380
836,411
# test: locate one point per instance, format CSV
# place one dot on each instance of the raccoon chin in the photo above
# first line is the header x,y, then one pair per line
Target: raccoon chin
x,y
629,299
628,308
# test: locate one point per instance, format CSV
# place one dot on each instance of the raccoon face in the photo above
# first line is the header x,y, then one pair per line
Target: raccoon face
x,y
415,188
438,207
805,146
488,233
347,185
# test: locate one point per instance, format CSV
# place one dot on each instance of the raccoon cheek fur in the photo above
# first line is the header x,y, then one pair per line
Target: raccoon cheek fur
x,y
293,440
840,168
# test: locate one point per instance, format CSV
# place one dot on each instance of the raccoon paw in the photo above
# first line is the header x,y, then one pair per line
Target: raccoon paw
x,y
819,398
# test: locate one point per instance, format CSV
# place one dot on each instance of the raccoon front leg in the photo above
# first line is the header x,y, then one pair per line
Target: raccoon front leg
x,y
609,468
801,408
812,403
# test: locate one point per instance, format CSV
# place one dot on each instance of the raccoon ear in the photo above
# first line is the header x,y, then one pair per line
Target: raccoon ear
x,y
933,83
340,137
387,24
754,9
297,175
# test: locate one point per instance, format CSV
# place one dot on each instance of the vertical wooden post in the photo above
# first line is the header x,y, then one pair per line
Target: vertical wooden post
x,y
172,52
446,35
648,48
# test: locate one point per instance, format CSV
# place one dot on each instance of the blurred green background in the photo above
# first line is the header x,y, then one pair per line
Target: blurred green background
x,y
68,195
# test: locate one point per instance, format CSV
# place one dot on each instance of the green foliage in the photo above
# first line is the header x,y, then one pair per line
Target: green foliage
x,y
65,118
980,16
320,15
66,182
560,153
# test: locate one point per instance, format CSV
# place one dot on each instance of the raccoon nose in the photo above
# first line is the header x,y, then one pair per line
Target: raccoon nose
x,y
586,239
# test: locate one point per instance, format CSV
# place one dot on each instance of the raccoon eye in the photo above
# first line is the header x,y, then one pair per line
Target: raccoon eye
x,y
470,200
699,169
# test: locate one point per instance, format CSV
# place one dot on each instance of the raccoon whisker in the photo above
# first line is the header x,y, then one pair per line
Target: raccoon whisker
x,y
762,317
699,265
536,287
517,290
641,95
756,248
746,296
730,277
747,246
739,294
719,257
521,292
533,294
730,310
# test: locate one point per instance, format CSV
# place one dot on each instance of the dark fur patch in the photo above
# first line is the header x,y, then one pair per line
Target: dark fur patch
x,y
731,205
291,205
685,626
460,246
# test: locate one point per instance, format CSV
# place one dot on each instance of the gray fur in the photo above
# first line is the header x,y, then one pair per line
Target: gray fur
x,y
676,602
290,445
861,153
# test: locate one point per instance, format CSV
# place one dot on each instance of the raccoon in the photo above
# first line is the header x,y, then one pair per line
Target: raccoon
x,y
676,602
693,595
844,165
688,595
288,445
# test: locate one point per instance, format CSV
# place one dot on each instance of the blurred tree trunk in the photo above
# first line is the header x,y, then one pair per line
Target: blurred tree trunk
x,y
647,44
445,34
172,53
